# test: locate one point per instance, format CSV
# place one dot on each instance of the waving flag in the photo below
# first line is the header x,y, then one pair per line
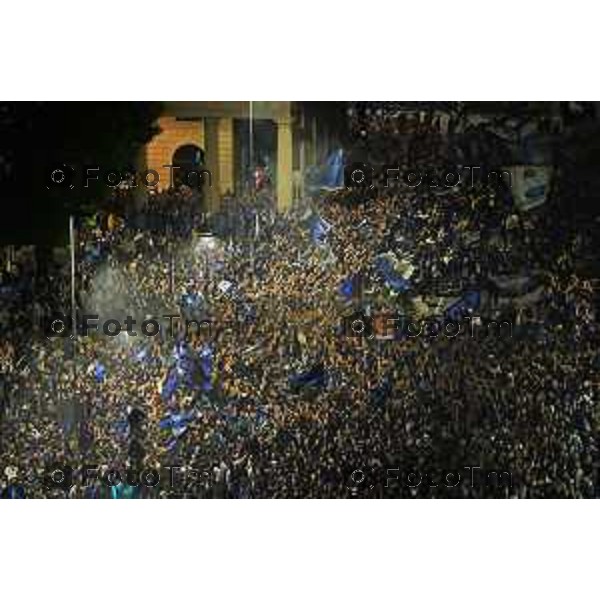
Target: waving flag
x,y
469,301
347,288
178,424
319,230
313,377
226,287
185,370
206,366
395,272
99,372
170,384
141,356
333,177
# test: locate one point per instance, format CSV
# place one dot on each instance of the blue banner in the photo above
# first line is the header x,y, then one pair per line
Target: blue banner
x,y
313,377
347,288
469,301
99,372
387,269
333,177
206,366
319,229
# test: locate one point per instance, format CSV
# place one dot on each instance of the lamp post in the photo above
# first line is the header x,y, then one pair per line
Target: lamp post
x,y
251,138
73,307
76,408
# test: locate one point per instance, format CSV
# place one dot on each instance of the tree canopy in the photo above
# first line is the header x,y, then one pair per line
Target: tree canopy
x,y
40,137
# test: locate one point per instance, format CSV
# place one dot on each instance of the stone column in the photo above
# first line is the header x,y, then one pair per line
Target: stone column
x,y
211,140
225,155
302,155
140,192
284,163
314,154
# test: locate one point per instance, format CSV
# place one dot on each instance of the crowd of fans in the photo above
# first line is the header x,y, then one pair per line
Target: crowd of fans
x,y
277,398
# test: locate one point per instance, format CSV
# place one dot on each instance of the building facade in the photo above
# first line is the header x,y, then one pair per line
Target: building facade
x,y
230,139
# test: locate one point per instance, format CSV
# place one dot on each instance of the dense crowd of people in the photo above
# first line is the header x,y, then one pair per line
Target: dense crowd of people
x,y
276,397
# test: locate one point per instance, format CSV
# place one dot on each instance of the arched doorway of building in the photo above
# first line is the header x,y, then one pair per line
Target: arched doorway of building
x,y
190,160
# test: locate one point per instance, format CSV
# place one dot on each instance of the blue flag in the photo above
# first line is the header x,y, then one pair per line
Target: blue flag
x,y
121,428
319,230
171,383
347,288
469,301
333,177
142,355
99,372
178,424
387,269
185,371
206,365
313,377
